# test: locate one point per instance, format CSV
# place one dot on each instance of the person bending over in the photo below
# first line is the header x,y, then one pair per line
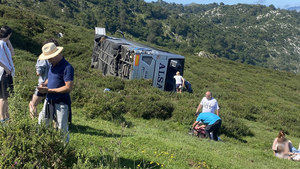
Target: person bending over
x,y
211,122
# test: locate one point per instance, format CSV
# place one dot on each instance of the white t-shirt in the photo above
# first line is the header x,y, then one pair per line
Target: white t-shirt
x,y
178,79
209,105
6,59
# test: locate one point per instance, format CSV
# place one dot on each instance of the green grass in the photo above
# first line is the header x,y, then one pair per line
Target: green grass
x,y
255,103
169,145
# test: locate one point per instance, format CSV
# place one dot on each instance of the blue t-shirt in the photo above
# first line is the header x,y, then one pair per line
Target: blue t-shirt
x,y
57,76
208,118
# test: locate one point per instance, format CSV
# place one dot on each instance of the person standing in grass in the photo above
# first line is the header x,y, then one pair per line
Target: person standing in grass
x,y
208,104
7,71
42,68
179,81
211,122
57,105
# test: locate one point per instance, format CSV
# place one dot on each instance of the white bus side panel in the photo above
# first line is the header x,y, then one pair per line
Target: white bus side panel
x,y
160,73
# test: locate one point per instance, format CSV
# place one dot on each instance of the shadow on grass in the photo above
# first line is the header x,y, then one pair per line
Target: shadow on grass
x,y
121,162
77,128
25,43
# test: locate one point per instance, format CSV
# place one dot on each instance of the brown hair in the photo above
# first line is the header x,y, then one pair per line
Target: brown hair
x,y
281,134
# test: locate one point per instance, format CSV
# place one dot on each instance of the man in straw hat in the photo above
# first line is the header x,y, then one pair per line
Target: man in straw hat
x,y
57,105
42,68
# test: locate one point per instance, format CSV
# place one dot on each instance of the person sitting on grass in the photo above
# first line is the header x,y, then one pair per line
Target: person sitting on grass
x,y
199,130
211,123
283,148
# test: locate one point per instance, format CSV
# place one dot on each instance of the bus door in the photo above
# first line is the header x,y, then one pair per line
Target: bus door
x,y
173,66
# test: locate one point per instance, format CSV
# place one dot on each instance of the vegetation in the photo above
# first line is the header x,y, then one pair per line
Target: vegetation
x,y
138,126
252,34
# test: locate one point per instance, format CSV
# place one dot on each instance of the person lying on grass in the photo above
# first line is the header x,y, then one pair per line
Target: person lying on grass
x,y
199,130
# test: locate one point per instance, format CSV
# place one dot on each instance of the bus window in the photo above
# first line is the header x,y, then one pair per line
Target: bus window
x,y
147,59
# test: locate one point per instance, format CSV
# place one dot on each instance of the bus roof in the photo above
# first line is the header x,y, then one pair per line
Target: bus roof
x,y
140,48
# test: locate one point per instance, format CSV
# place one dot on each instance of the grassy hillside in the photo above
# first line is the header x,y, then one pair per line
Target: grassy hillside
x,y
138,126
252,34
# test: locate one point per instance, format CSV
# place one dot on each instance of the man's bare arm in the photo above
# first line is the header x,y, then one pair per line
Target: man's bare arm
x,y
198,108
67,88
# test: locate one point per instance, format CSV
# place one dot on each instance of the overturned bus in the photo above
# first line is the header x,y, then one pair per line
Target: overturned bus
x,y
130,60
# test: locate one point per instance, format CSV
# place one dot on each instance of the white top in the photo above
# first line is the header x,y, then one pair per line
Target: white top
x,y
209,105
42,68
6,59
178,79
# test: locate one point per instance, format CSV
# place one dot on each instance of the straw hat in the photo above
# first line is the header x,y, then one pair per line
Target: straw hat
x,y
50,50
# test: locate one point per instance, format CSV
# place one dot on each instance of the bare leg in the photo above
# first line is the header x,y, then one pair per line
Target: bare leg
x,y
36,100
2,114
33,104
6,108
3,109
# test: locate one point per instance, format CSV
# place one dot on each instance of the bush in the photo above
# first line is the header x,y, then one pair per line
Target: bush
x,y
232,127
114,83
109,106
145,101
149,106
184,115
27,145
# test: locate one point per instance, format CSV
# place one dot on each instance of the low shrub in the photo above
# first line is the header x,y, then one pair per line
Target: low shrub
x,y
138,84
149,106
108,106
114,83
232,127
145,101
28,145
184,115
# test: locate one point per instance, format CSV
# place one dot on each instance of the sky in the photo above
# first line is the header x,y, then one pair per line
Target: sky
x,y
277,3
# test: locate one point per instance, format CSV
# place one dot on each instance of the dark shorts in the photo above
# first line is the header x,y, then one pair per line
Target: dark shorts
x,y
37,93
178,85
6,85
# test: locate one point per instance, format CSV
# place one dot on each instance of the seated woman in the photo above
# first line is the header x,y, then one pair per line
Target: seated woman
x,y
283,148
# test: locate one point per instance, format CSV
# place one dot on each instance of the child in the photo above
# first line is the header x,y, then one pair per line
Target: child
x,y
179,82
